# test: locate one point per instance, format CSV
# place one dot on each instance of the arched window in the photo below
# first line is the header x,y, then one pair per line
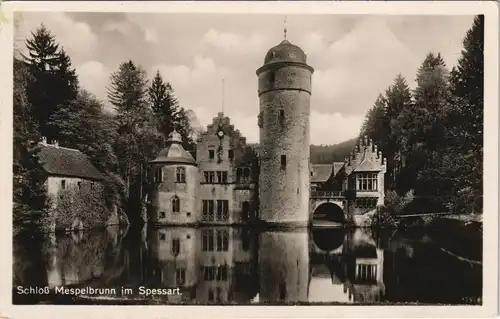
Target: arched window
x,y
180,174
158,175
176,204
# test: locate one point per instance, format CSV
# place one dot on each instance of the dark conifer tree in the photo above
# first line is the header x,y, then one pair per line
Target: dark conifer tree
x,y
52,83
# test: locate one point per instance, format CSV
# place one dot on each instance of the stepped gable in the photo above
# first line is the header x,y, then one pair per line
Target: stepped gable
x,y
365,158
63,161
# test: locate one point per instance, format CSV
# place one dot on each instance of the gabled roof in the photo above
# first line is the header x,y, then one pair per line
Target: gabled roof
x,y
321,172
62,161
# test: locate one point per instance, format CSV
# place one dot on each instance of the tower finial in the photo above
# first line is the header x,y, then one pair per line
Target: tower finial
x,y
222,98
285,30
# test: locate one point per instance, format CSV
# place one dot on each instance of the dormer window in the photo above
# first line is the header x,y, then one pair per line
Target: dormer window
x,y
211,154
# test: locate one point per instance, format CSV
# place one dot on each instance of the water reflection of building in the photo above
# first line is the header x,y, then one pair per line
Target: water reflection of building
x,y
284,266
209,264
352,274
227,270
172,261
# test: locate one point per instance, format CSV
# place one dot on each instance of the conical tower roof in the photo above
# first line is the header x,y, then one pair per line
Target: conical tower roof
x,y
174,153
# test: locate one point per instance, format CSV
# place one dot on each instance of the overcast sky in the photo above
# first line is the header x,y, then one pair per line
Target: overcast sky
x,y
355,57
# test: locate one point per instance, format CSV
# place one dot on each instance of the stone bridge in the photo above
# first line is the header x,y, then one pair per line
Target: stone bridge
x,y
328,206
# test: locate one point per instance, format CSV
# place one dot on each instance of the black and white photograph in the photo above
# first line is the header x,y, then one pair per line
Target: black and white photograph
x,y
212,158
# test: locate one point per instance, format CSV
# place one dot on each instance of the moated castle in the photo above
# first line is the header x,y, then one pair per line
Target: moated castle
x,y
224,185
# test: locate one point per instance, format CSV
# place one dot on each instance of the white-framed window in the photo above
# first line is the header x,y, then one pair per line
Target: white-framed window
x,y
180,174
367,181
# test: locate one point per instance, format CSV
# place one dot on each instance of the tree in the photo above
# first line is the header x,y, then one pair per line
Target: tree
x,y
170,115
52,80
81,124
138,139
464,121
425,126
374,125
29,192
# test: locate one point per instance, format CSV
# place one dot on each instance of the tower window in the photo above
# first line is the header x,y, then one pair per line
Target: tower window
x,y
158,175
176,204
162,215
63,184
211,154
283,161
281,117
271,77
180,174
79,185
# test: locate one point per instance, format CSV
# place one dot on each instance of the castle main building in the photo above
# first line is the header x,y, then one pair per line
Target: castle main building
x,y
233,183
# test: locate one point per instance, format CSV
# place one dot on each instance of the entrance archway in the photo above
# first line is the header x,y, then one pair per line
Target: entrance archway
x,y
330,212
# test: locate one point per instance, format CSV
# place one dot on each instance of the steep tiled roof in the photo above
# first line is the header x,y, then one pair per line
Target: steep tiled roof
x,y
321,172
69,162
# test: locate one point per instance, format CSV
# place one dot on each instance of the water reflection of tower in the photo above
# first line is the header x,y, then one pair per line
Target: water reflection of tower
x,y
173,262
364,267
283,266
227,265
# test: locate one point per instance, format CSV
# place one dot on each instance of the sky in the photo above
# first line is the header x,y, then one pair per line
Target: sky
x,y
355,57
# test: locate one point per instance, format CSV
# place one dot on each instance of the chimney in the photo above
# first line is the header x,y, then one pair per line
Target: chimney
x,y
44,140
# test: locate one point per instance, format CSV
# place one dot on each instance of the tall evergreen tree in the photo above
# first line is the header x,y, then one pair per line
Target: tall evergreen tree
x,y
52,83
425,125
138,140
29,192
375,120
398,98
169,113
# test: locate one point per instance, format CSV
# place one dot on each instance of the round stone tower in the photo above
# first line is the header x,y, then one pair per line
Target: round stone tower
x,y
174,177
284,97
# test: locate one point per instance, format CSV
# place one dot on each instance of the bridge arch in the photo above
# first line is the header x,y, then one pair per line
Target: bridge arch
x,y
329,211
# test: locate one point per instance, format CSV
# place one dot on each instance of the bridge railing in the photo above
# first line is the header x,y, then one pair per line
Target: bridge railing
x,y
327,194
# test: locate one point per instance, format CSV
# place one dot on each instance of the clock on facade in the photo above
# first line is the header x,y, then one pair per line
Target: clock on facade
x,y
220,133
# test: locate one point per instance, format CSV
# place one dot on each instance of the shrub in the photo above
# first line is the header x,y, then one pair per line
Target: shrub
x,y
85,205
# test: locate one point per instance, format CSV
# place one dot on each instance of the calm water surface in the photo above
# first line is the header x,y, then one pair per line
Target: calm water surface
x,y
220,265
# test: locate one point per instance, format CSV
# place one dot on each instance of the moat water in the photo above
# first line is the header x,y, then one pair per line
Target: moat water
x,y
237,265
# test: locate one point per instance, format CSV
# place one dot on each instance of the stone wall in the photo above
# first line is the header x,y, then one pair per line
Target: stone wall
x,y
164,192
284,131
